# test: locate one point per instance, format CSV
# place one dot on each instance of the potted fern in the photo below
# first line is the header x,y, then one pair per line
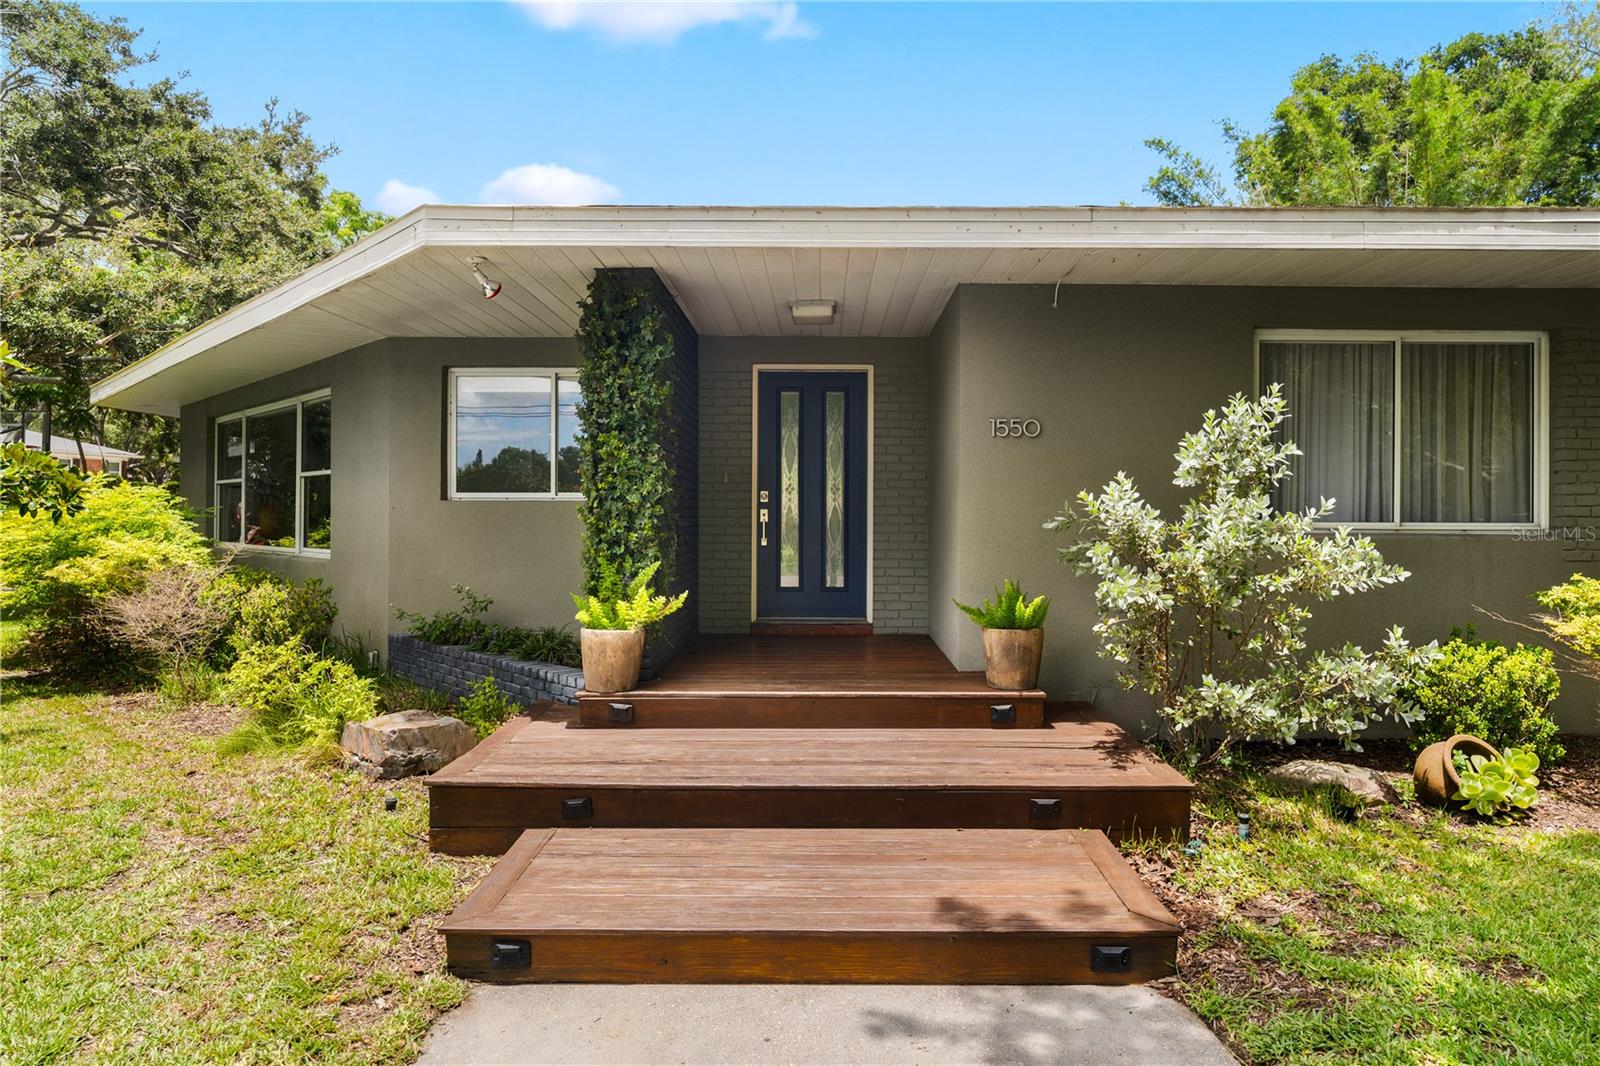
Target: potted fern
x,y
1013,636
612,638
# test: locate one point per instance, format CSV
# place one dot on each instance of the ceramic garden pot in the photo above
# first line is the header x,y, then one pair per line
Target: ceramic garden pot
x,y
1435,772
611,659
1011,657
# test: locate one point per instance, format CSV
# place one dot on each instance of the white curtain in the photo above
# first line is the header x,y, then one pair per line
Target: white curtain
x,y
1467,429
1340,397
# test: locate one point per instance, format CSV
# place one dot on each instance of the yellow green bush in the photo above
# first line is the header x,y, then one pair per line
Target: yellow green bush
x,y
57,574
294,696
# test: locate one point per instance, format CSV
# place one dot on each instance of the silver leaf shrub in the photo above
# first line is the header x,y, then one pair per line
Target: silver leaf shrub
x,y
1208,612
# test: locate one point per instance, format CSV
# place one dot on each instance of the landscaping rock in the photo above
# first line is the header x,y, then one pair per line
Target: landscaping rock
x,y
1369,787
406,743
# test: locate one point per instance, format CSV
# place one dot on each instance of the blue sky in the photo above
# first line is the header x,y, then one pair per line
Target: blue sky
x,y
742,103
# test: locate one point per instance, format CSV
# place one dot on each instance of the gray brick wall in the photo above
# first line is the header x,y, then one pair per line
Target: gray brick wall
x,y
453,671
725,439
900,491
900,499
1575,441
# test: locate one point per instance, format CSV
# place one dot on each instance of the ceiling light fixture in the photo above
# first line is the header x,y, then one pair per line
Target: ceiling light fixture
x,y
813,312
491,289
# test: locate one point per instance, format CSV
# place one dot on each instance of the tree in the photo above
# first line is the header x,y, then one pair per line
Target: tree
x,y
131,216
1208,612
1572,616
35,483
1487,120
1184,180
345,221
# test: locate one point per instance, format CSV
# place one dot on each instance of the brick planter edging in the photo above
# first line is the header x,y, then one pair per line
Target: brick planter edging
x,y
454,670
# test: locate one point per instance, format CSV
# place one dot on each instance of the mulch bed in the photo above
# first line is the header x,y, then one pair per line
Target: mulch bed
x,y
1569,791
1569,799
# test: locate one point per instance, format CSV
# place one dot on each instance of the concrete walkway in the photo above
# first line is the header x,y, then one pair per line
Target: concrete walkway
x,y
756,1025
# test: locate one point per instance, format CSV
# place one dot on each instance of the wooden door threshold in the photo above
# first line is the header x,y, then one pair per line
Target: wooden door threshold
x,y
811,627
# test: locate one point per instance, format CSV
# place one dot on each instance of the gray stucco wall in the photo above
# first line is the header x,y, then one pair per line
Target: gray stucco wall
x,y
944,482
358,566
397,540
1117,374
900,472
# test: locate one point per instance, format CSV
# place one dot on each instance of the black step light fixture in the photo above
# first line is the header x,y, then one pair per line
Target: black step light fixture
x,y
1110,958
510,954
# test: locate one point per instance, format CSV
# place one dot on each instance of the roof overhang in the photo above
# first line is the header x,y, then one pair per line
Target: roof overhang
x,y
891,270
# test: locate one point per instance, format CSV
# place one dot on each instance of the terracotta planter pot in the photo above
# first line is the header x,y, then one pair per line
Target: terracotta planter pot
x,y
611,659
1011,657
1435,772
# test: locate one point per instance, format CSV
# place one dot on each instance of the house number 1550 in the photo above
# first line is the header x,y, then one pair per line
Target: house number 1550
x,y
1013,427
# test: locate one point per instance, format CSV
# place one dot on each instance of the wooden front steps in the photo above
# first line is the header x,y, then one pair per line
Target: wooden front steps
x,y
814,682
921,906
1079,772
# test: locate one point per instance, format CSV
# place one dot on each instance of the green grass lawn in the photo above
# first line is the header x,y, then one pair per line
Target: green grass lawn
x,y
1403,937
161,903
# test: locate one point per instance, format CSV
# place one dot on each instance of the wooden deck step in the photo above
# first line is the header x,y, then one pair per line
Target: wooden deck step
x,y
750,709
814,682
1076,773
799,905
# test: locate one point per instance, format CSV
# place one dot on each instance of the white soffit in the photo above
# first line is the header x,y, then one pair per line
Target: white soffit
x,y
891,270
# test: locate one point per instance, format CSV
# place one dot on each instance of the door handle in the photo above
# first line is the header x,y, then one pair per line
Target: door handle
x,y
763,526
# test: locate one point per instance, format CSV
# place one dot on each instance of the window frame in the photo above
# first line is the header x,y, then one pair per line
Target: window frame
x,y
243,417
1540,429
554,375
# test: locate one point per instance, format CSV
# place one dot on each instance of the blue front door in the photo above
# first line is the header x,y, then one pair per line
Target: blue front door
x,y
811,494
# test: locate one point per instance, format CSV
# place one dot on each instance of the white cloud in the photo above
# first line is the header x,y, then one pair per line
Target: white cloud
x,y
549,185
396,197
635,21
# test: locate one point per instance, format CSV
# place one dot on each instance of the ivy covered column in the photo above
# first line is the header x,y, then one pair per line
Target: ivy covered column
x,y
638,436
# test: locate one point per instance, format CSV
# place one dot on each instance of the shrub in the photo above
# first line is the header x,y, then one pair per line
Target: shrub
x,y
36,485
485,708
635,608
1484,688
173,622
1208,612
277,611
1494,788
546,644
401,694
124,534
460,627
1010,609
349,648
294,696
58,573
1573,617
466,627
